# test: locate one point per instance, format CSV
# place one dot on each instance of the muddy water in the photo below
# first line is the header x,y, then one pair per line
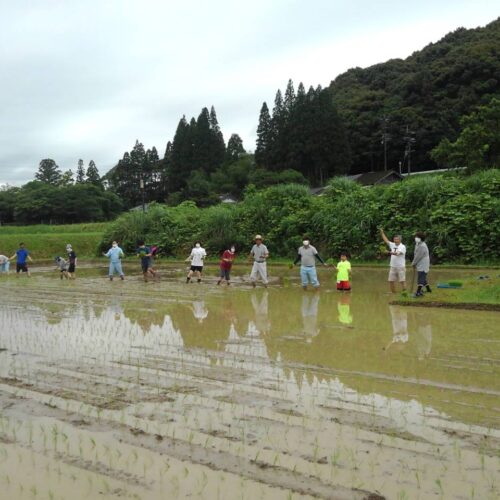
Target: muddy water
x,y
169,390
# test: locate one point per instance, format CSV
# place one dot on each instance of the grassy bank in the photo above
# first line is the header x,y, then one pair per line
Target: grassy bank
x,y
481,294
45,242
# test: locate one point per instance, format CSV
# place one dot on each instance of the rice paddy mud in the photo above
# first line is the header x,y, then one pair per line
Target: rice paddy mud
x,y
166,390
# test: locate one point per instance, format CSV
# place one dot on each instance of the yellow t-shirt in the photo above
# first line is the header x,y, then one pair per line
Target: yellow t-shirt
x,y
343,268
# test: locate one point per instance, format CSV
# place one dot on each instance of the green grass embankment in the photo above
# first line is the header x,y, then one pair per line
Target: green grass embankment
x,y
475,293
46,242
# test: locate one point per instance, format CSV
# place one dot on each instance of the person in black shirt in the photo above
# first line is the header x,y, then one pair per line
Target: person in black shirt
x,y
71,262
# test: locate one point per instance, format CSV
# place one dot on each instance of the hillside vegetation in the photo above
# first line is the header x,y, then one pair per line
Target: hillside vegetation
x,y
459,213
428,92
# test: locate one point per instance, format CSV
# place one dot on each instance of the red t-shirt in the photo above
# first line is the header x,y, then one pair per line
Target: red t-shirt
x,y
224,264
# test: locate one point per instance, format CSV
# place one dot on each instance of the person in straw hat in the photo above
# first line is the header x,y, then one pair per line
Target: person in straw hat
x,y
259,254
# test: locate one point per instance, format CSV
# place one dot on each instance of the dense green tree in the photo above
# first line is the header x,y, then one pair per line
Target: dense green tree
x,y
478,145
80,172
7,203
218,146
234,149
289,99
202,147
38,202
48,172
67,179
307,135
264,137
181,160
93,176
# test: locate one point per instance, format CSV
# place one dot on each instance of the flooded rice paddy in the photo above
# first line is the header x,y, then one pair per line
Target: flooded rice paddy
x,y
167,390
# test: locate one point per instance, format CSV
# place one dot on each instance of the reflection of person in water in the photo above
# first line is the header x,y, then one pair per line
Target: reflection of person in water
x,y
260,308
423,335
344,310
399,318
200,312
310,315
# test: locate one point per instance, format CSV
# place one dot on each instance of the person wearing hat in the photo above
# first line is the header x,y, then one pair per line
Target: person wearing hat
x,y
71,261
259,254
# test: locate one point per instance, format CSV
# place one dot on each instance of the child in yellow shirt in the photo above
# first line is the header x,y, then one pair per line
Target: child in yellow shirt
x,y
344,273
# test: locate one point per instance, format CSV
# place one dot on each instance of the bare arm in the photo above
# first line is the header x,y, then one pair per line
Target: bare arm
x,y
384,237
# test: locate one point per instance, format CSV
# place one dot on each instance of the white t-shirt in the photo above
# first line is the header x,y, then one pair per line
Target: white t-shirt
x,y
197,256
399,259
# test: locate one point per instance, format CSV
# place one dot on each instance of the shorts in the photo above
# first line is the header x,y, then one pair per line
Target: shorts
x,y
422,278
343,285
225,274
145,266
198,269
397,274
21,267
71,268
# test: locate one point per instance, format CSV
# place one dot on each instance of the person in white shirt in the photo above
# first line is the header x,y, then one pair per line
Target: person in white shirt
x,y
259,255
397,271
196,257
4,264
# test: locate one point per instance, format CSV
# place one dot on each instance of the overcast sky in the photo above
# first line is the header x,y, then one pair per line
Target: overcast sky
x,y
86,79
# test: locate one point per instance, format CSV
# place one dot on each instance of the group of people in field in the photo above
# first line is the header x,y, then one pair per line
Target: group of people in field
x,y
307,256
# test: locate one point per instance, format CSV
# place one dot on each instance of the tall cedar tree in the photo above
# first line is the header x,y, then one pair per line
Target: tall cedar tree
x,y
264,138
218,146
80,172
93,176
234,149
48,172
278,124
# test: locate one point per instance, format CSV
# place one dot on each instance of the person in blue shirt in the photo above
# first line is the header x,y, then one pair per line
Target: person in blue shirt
x,y
115,254
22,256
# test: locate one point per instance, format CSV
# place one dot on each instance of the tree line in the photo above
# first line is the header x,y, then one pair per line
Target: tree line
x,y
57,197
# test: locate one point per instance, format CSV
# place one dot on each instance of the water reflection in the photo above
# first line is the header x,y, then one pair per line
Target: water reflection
x,y
200,311
423,334
399,320
344,310
309,310
260,306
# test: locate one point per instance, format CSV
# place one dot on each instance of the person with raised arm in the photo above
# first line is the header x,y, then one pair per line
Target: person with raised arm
x,y
397,271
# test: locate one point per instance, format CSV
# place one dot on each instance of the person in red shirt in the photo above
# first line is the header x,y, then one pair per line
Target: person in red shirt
x,y
225,265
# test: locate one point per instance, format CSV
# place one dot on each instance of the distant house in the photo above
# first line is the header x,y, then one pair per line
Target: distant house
x,y
375,178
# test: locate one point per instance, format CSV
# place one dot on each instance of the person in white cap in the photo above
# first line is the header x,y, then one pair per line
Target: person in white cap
x,y
71,261
259,254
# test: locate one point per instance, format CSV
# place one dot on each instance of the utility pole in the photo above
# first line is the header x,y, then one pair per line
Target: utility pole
x,y
385,138
141,184
410,140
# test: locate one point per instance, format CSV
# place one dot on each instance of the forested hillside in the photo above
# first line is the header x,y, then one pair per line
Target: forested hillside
x,y
428,92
